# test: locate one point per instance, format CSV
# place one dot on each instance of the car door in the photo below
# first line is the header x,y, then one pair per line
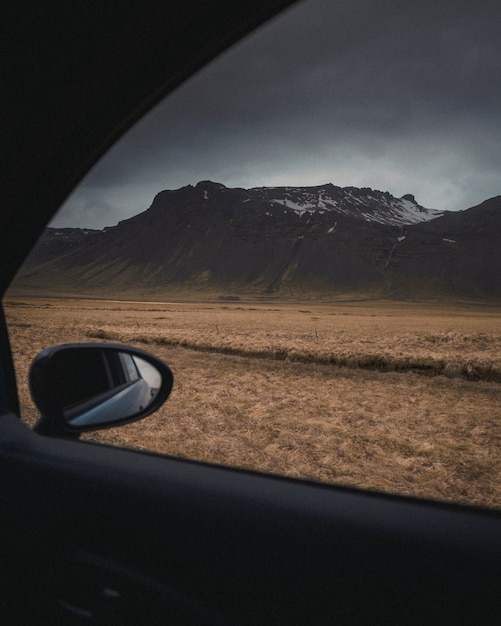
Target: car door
x,y
95,534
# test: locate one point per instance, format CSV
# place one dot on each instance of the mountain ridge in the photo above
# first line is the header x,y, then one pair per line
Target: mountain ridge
x,y
362,203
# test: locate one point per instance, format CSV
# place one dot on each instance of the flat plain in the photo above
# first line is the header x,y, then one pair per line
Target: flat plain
x,y
402,398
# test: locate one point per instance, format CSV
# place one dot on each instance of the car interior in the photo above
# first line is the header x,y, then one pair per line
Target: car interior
x,y
91,533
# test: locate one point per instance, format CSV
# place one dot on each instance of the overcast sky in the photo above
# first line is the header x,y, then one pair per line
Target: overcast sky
x,y
399,96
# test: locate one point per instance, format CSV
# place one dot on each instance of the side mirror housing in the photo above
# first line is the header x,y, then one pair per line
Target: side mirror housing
x,y
89,386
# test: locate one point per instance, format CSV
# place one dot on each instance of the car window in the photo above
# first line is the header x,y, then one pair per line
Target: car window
x,y
130,367
307,232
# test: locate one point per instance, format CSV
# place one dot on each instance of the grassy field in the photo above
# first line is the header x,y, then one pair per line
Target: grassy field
x,y
402,398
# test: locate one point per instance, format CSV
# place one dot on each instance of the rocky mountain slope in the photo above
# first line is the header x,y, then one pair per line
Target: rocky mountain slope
x,y
365,204
290,241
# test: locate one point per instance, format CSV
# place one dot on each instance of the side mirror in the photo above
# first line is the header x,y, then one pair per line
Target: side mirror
x,y
82,387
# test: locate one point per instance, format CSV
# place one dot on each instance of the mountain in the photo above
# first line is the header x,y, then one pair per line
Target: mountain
x,y
365,204
284,241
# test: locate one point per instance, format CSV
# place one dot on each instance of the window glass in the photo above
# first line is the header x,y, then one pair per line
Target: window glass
x,y
129,366
307,232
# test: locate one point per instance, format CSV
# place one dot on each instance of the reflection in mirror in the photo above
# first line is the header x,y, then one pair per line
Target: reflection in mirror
x,y
88,386
125,386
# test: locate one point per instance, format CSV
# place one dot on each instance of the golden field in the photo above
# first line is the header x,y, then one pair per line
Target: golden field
x,y
402,398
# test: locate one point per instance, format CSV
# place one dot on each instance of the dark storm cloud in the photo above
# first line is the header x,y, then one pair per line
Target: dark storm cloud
x,y
389,94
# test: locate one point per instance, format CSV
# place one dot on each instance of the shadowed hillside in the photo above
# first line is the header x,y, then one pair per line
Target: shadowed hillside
x,y
296,242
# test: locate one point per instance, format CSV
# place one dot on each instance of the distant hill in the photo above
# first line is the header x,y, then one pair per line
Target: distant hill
x,y
283,241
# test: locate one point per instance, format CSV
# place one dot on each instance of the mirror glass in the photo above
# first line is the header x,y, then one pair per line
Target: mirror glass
x,y
119,386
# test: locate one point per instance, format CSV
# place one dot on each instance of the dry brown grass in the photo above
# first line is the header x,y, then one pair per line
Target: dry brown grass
x,y
293,411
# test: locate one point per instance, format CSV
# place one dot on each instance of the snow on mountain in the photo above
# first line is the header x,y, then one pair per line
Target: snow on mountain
x,y
365,203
